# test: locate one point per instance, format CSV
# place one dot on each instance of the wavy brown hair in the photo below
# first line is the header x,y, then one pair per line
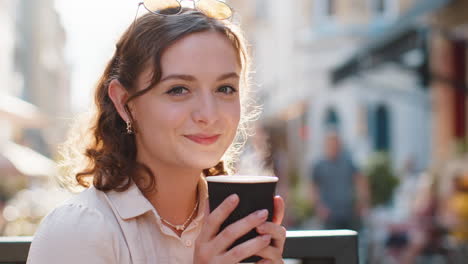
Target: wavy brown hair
x,y
107,159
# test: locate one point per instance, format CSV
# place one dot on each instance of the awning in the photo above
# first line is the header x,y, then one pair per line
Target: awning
x,y
26,161
7,168
20,113
404,35
388,48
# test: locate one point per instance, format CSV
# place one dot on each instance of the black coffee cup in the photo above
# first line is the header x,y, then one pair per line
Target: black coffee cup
x,y
255,193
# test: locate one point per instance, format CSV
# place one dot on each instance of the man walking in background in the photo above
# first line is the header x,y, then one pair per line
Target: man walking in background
x,y
339,192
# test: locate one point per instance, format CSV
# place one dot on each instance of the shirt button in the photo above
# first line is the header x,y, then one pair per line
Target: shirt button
x,y
188,243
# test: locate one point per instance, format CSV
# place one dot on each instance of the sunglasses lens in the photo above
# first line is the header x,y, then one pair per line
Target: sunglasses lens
x,y
164,7
214,8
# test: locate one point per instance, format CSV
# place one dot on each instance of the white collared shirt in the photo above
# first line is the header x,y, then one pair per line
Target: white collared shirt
x,y
114,227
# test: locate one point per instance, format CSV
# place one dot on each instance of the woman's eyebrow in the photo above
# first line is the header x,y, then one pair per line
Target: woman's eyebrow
x,y
228,75
187,77
178,77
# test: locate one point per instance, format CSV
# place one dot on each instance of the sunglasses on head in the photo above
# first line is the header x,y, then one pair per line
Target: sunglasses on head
x,y
212,8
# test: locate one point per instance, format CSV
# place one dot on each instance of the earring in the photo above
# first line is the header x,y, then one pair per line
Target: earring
x,y
129,128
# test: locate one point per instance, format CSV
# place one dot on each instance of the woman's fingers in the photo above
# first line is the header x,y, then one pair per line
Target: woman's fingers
x,y
270,255
277,232
265,261
246,249
273,253
278,214
216,218
204,252
211,244
239,228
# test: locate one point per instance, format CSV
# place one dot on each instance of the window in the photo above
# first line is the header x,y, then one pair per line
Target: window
x,y
325,8
380,6
382,138
386,8
332,121
330,7
325,19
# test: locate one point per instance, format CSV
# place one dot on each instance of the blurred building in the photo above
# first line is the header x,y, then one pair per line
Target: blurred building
x,y
15,114
6,78
449,77
39,57
390,75
304,54
34,106
386,76
430,42
34,89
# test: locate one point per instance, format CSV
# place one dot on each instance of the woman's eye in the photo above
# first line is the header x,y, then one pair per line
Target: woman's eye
x,y
178,90
227,89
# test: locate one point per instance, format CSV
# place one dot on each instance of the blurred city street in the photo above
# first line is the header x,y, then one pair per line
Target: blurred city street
x,y
364,113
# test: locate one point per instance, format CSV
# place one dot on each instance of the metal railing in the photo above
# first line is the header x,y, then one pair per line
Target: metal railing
x,y
309,246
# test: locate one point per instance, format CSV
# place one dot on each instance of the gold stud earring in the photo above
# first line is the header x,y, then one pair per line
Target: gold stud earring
x,y
129,128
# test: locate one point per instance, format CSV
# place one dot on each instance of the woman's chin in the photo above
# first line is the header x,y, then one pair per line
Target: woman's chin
x,y
206,164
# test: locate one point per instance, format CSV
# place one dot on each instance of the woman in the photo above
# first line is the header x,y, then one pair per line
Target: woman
x,y
169,105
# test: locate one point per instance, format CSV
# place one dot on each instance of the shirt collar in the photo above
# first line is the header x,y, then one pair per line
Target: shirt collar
x,y
202,198
132,203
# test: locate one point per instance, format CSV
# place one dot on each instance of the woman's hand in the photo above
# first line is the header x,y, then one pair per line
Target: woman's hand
x,y
212,247
273,253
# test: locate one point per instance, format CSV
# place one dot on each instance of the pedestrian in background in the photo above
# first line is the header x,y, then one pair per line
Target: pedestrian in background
x,y
456,217
339,191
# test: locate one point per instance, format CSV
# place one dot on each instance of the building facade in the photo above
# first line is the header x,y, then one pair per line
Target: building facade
x,y
34,88
449,79
298,47
39,59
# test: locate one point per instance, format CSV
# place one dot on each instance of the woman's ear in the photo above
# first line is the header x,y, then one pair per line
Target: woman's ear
x,y
118,95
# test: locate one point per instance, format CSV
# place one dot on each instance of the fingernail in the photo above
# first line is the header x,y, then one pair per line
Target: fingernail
x,y
266,237
233,198
262,213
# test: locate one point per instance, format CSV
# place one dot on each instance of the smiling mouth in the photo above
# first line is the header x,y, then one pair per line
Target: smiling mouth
x,y
203,140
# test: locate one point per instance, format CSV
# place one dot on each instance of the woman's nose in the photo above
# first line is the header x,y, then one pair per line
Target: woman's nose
x,y
206,110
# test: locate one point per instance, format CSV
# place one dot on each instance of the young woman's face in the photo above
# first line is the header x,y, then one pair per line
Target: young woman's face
x,y
190,118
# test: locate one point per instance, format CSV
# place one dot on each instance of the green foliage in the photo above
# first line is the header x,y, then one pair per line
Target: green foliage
x,y
382,179
300,205
461,146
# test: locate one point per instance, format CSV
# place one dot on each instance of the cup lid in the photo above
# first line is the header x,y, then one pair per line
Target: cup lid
x,y
241,179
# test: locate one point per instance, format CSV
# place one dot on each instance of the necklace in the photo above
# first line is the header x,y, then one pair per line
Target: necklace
x,y
182,226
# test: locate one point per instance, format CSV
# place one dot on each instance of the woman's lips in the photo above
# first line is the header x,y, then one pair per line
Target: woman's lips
x,y
203,139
